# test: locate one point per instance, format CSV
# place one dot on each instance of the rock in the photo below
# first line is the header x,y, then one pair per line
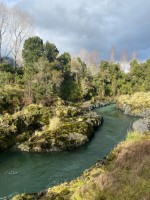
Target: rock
x,y
43,129
142,125
23,147
71,133
90,105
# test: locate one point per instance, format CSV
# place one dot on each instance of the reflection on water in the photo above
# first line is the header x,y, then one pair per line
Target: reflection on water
x,y
23,172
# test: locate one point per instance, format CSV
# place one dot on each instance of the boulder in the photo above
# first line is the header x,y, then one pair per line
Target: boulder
x,y
142,125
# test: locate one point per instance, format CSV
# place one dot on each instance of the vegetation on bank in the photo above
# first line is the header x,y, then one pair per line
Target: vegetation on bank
x,y
124,174
38,128
137,104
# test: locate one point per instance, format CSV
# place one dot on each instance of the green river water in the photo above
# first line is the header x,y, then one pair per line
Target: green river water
x,y
22,172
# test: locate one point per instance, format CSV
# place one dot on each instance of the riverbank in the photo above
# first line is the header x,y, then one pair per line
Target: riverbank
x,y
137,104
119,176
41,171
97,103
43,129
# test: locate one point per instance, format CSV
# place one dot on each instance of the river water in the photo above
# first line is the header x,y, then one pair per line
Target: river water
x,y
22,172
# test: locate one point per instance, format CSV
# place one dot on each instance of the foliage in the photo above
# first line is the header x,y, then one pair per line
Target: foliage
x,y
64,60
11,98
140,76
47,75
50,52
32,50
70,90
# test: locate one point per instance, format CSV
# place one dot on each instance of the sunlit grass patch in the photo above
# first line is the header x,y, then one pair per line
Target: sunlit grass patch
x,y
138,99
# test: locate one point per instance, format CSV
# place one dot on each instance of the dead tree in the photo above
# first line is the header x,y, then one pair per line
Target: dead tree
x,y
4,26
21,29
112,54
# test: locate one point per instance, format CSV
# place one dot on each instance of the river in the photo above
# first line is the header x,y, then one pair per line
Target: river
x,y
22,172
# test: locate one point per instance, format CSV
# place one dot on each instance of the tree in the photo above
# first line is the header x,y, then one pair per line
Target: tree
x,y
69,89
32,50
134,55
20,30
90,59
64,62
4,25
124,61
15,27
50,51
108,76
112,54
48,74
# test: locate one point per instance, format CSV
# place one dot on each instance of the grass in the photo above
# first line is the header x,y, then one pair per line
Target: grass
x,y
138,99
54,123
137,104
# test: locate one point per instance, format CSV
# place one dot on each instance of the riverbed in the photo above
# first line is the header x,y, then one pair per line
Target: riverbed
x,y
22,172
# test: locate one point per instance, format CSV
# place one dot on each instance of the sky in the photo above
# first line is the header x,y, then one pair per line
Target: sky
x,y
96,25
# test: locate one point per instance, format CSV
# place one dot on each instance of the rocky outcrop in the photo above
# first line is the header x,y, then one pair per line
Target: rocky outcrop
x,y
43,129
142,125
96,104
71,133
133,110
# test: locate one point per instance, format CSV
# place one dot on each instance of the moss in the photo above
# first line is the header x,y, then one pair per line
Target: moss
x,y
43,130
24,197
11,98
21,125
70,133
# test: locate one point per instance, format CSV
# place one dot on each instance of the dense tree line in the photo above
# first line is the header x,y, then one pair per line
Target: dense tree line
x,y
46,75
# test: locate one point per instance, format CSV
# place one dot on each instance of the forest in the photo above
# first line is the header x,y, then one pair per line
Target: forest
x,y
46,76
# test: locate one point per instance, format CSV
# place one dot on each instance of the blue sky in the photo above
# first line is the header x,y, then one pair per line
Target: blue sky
x,y
11,2
92,24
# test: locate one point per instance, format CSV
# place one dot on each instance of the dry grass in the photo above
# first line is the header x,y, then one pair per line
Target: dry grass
x,y
54,123
139,99
126,177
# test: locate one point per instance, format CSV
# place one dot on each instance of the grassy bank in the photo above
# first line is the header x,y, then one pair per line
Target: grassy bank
x,y
123,175
137,104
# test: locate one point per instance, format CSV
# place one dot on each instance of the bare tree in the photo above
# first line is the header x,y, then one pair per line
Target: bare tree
x,y
94,59
124,61
134,55
84,55
90,59
4,25
15,28
21,29
112,54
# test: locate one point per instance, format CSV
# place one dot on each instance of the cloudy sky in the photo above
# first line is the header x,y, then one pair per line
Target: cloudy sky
x,y
92,24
